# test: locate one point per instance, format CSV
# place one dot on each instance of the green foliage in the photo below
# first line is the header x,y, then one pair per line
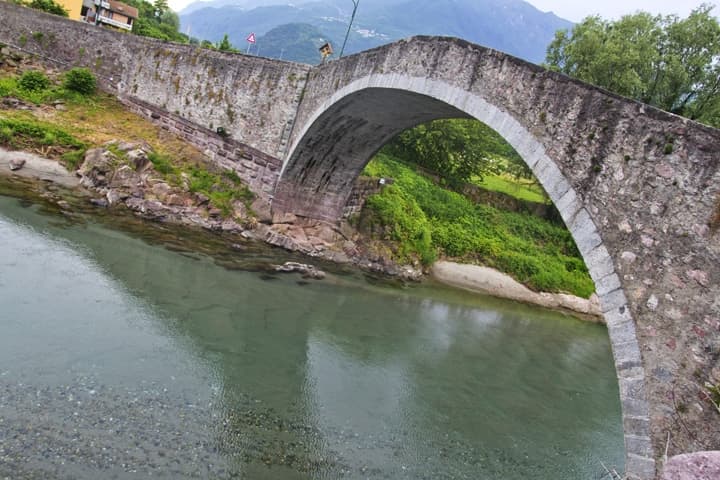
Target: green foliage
x,y
222,189
458,150
80,80
713,394
50,140
668,62
162,163
398,213
161,6
423,219
10,86
224,45
49,6
33,81
156,20
73,158
514,187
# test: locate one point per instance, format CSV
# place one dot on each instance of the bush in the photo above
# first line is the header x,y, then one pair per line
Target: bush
x,y
80,80
33,81
421,219
49,6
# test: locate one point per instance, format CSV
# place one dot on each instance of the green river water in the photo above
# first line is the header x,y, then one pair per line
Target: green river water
x,y
124,354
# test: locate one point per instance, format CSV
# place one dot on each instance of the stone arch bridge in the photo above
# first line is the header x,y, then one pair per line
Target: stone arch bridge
x,y
638,188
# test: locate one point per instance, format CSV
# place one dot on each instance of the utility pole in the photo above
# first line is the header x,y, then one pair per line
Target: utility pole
x,y
355,7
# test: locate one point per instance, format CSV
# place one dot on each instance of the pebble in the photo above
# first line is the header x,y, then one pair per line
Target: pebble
x,y
86,429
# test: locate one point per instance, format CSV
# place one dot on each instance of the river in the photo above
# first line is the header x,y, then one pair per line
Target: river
x,y
124,353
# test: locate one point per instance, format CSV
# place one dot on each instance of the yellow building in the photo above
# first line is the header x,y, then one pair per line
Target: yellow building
x,y
73,7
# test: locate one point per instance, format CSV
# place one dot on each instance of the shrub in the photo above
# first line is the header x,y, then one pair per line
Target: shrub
x,y
80,80
49,6
161,163
421,219
73,158
33,81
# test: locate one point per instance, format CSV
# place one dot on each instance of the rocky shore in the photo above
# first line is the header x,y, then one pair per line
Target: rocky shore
x,y
120,174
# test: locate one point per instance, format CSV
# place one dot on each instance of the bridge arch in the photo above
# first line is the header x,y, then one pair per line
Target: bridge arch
x,y
351,125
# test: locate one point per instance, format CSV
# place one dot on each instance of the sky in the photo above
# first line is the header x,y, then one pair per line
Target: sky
x,y
576,10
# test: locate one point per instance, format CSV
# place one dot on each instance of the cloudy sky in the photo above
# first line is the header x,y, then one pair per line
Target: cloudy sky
x,y
576,10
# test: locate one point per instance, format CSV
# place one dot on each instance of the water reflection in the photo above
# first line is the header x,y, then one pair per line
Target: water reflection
x,y
271,379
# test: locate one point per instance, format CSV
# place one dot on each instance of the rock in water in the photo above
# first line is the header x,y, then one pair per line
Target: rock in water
x,y
16,164
307,271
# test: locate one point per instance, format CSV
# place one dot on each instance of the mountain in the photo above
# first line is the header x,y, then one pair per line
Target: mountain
x,y
513,26
293,41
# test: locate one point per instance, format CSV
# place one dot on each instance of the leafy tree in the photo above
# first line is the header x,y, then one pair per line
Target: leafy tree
x,y
666,61
161,6
151,23
224,45
49,6
459,150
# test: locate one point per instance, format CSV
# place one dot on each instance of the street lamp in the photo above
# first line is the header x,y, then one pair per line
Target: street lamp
x,y
352,17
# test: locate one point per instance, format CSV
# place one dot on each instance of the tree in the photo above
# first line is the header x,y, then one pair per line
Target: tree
x,y
161,6
151,23
459,149
224,45
668,62
49,6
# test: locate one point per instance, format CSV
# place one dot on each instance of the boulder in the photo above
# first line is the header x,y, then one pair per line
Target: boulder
x,y
97,167
139,160
284,218
161,190
200,198
16,164
124,177
693,466
262,210
307,271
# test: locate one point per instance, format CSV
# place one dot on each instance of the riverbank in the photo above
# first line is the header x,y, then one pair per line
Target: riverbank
x,y
151,198
491,282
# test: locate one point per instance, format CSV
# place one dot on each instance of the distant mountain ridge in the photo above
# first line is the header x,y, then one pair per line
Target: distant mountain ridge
x,y
513,26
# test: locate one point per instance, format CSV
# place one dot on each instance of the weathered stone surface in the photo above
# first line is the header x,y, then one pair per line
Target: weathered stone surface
x,y
693,466
636,212
308,271
97,167
139,159
16,164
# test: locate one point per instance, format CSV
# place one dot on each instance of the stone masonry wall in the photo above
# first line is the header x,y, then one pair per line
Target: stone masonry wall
x,y
253,99
259,170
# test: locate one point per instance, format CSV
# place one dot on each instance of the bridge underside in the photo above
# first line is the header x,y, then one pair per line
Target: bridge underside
x,y
318,178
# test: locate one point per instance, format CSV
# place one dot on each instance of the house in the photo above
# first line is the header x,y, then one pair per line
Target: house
x,y
110,13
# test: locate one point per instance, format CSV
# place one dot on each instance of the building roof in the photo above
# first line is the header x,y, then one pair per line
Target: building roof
x,y
120,7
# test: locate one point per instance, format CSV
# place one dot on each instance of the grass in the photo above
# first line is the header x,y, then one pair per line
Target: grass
x,y
423,221
44,138
521,190
94,120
